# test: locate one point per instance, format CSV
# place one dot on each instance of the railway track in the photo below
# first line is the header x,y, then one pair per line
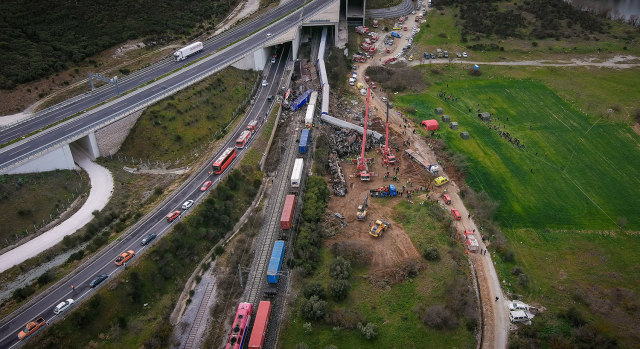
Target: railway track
x,y
257,275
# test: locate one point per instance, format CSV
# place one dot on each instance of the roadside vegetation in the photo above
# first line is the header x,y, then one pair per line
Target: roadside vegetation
x,y
46,39
344,301
115,317
29,199
176,129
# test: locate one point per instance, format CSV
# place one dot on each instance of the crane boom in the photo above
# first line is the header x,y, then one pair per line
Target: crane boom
x,y
362,163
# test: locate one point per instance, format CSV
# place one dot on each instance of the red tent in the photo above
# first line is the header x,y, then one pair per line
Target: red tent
x,y
430,125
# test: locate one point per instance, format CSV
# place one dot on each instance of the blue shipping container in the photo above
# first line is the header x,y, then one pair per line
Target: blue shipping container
x,y
304,141
276,262
300,101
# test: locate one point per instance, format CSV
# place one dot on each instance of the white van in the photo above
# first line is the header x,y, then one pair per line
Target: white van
x,y
352,81
518,316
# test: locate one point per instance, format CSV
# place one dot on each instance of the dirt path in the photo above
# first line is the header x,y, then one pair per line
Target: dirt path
x,y
496,321
101,190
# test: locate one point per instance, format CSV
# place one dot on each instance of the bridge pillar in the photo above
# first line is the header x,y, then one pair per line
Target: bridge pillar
x,y
90,145
59,159
295,45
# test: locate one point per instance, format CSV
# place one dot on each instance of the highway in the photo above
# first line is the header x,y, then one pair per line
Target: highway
x,y
153,223
42,139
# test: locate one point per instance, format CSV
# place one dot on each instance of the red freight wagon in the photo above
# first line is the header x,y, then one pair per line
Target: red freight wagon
x,y
260,325
287,212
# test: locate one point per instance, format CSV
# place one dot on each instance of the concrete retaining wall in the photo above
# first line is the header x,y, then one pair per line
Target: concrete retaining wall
x,y
110,137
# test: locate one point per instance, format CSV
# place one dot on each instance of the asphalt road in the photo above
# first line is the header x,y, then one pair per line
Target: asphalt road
x,y
154,223
42,139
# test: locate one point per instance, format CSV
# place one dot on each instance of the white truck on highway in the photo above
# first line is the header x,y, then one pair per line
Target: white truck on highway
x,y
296,174
187,51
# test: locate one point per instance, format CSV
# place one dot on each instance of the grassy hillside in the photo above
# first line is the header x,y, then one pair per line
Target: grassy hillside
x,y
28,199
171,128
588,161
38,38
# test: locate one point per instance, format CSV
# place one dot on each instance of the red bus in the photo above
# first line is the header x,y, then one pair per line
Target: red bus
x,y
224,160
239,327
260,325
243,139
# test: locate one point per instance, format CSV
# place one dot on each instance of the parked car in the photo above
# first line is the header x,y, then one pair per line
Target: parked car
x,y
458,54
98,280
187,204
205,186
518,306
464,54
433,56
147,239
124,257
63,306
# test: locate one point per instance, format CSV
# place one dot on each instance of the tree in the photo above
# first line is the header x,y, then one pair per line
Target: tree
x,y
523,280
314,289
339,289
431,254
368,331
313,308
340,268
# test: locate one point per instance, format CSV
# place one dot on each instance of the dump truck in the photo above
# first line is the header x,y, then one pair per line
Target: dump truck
x,y
361,215
380,226
31,327
386,191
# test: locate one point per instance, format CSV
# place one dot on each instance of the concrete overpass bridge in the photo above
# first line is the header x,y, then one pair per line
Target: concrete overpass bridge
x,y
100,131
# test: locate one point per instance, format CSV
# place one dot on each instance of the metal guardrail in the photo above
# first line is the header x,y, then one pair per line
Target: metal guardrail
x,y
140,105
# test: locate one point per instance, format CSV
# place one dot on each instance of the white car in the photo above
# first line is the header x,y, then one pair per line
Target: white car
x,y
63,306
264,83
269,35
518,306
464,54
273,60
187,204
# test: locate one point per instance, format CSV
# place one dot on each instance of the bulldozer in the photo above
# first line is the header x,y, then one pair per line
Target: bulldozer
x,y
361,215
380,226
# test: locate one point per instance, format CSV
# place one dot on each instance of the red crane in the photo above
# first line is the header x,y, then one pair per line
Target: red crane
x,y
363,168
387,157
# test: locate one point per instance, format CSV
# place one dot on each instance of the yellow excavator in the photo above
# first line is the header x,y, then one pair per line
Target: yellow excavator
x,y
361,215
380,226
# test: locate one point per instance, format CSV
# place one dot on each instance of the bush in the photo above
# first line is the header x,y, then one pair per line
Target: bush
x,y
23,293
339,289
438,317
368,331
534,44
157,191
431,254
523,280
355,252
516,271
75,256
218,250
345,318
45,278
313,308
574,317
340,268
509,257
474,72
314,289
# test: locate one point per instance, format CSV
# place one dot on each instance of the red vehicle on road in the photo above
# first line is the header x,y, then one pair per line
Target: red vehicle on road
x,y
446,198
206,185
456,214
224,160
173,215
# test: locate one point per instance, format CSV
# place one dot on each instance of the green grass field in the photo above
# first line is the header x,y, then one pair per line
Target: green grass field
x,y
391,309
590,164
28,199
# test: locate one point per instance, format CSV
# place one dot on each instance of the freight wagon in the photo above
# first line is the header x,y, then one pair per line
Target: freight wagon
x,y
260,325
273,272
304,141
287,212
296,174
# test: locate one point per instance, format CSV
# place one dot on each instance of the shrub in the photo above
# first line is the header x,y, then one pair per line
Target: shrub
x,y
474,72
307,327
45,278
313,308
523,280
339,289
353,251
23,293
368,331
431,254
218,250
516,271
342,318
509,257
574,317
314,289
438,317
157,191
75,256
340,268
